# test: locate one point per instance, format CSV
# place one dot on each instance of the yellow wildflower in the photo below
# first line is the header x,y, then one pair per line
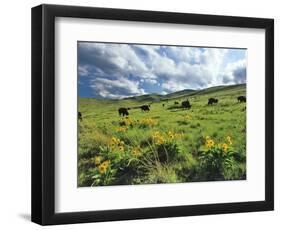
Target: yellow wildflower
x,y
116,144
224,147
228,138
113,141
103,167
148,122
171,135
97,160
209,143
128,121
136,151
158,138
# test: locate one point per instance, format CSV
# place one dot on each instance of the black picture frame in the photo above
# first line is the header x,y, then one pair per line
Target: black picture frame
x,y
43,114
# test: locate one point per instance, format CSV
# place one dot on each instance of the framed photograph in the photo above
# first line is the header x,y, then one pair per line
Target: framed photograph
x,y
142,114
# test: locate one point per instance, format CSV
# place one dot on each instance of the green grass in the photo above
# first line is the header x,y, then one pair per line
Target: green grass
x,y
178,156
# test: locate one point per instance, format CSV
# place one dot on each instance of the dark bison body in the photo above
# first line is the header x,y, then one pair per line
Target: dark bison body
x,y
241,99
80,116
212,101
123,111
176,102
186,104
145,108
163,105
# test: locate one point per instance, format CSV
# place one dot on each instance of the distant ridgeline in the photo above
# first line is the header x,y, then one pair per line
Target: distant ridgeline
x,y
187,92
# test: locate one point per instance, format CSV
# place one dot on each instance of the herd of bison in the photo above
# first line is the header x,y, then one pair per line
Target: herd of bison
x,y
184,104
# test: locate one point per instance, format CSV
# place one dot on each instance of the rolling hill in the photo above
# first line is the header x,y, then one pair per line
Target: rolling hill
x,y
187,93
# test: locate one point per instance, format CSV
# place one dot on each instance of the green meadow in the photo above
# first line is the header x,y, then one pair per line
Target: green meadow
x,y
168,144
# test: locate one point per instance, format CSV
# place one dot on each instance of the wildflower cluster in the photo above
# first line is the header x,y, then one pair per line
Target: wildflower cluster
x,y
127,122
104,166
116,144
148,122
225,146
209,143
160,138
219,160
172,135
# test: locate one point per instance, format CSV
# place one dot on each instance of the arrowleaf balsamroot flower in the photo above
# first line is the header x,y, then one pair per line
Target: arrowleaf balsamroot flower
x,y
97,160
104,166
209,142
158,138
172,135
225,147
116,144
136,151
121,129
228,138
148,122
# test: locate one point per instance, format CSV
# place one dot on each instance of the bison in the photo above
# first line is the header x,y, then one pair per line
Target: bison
x,y
123,111
145,108
176,102
80,116
212,101
241,99
186,104
163,105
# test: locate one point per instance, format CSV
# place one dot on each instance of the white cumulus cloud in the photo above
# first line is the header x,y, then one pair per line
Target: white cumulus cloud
x,y
121,70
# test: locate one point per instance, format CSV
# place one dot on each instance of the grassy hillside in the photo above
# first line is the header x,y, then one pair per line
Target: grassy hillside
x,y
168,144
145,98
178,94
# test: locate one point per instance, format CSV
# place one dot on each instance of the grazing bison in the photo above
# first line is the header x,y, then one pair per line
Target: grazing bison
x,y
241,99
145,108
163,105
186,104
176,102
80,116
123,111
212,101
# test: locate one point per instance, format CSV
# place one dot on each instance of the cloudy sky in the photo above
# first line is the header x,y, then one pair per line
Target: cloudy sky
x,y
114,71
